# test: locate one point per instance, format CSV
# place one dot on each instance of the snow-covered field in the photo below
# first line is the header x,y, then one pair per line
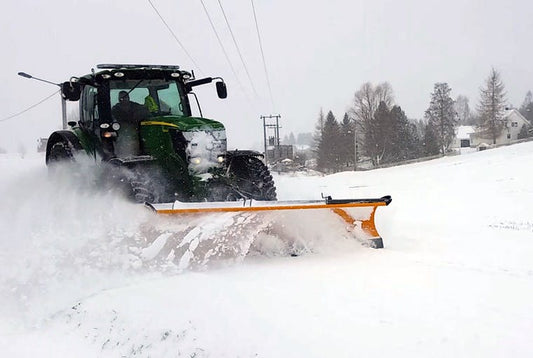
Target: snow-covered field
x,y
83,277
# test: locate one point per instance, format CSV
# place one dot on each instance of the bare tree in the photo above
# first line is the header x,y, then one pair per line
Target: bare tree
x,y
462,108
492,106
366,102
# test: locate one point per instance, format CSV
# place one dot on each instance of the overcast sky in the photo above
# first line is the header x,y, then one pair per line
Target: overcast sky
x,y
318,53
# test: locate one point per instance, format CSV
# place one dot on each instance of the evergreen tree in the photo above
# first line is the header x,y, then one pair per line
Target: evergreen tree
x,y
402,137
526,109
376,134
430,144
319,127
442,116
492,106
292,139
523,132
347,142
328,158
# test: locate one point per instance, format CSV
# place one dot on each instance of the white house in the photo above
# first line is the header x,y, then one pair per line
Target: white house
x,y
462,137
513,122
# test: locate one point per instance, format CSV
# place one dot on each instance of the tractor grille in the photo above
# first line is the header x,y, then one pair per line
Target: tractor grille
x,y
202,150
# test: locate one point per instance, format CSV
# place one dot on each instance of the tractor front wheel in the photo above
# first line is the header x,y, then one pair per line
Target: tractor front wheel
x,y
60,152
252,178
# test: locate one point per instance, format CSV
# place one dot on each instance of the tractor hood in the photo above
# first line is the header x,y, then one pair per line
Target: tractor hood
x,y
200,141
185,124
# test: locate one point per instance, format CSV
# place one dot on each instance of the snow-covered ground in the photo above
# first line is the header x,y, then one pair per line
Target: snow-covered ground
x,y
83,277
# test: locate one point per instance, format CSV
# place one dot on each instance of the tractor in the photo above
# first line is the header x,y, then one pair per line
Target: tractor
x,y
136,121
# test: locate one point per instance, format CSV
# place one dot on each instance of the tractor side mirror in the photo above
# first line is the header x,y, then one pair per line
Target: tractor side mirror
x,y
222,91
71,91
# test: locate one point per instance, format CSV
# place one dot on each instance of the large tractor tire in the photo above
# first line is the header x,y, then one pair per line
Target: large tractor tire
x,y
60,152
252,178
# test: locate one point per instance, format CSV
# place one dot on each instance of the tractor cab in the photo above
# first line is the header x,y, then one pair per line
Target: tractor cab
x,y
119,102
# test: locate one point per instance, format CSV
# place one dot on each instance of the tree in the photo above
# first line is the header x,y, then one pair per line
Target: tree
x,y
526,109
347,142
492,106
441,116
462,108
402,139
523,132
319,127
367,100
430,144
328,157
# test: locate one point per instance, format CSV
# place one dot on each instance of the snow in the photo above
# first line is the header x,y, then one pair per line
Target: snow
x,y
85,274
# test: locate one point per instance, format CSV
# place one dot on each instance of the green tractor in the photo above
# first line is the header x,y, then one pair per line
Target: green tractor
x,y
136,122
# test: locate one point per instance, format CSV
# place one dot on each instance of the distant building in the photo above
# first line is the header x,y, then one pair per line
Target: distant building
x,y
280,152
462,137
513,122
41,144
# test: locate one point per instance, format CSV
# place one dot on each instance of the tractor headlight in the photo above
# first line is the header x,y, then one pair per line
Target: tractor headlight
x,y
109,134
221,159
104,125
196,160
115,126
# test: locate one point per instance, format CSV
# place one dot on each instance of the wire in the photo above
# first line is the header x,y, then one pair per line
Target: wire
x,y
237,46
175,37
222,46
263,56
27,109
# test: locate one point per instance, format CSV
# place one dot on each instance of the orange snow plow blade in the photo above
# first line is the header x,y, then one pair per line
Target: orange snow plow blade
x,y
357,213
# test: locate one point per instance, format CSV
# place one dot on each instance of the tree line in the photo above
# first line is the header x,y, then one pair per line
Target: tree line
x,y
377,131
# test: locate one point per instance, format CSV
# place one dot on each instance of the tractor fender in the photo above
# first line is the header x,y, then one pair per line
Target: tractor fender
x,y
243,153
65,136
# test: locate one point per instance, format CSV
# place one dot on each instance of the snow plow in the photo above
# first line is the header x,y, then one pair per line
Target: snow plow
x,y
136,125
358,214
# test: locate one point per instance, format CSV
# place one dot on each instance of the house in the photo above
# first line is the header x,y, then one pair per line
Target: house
x,y
462,137
513,122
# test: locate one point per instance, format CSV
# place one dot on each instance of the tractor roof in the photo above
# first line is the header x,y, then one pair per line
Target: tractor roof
x,y
136,71
137,67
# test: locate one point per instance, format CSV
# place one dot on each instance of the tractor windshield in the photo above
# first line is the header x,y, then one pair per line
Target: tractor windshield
x,y
161,97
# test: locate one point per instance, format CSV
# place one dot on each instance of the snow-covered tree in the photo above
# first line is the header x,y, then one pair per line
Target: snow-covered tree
x,y
492,106
367,100
462,108
527,107
347,142
319,127
523,132
430,143
441,116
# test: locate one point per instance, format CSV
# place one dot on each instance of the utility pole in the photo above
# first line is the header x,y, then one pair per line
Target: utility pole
x,y
267,126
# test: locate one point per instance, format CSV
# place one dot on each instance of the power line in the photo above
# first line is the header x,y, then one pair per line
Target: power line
x,y
237,46
263,55
222,46
175,37
30,107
